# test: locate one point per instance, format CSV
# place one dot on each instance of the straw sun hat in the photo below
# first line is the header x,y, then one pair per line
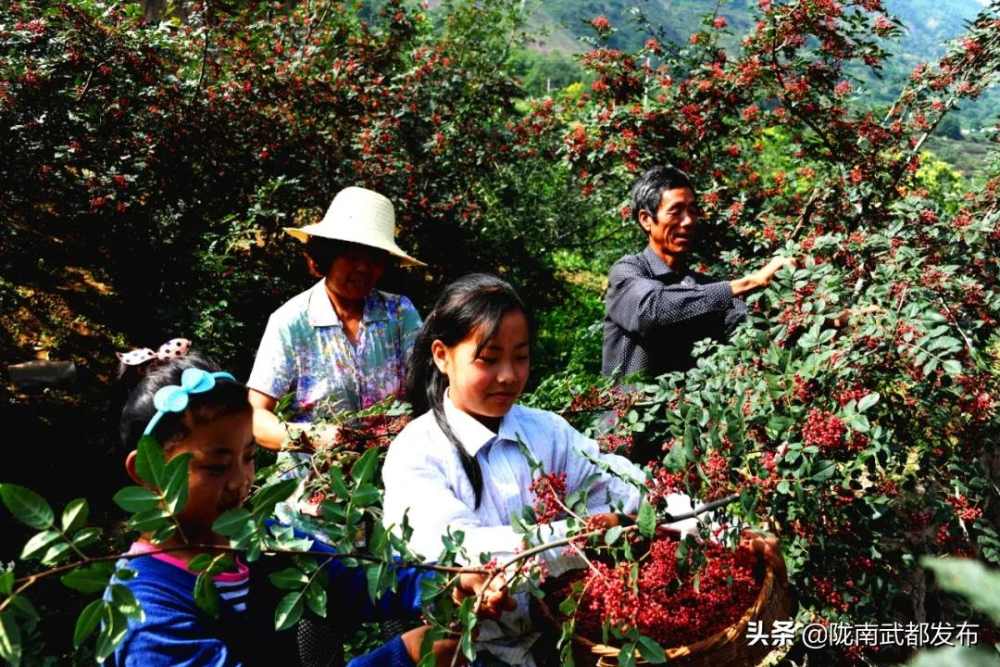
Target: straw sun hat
x,y
358,216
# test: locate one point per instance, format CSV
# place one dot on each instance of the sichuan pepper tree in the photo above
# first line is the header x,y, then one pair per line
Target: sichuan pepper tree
x,y
196,142
864,443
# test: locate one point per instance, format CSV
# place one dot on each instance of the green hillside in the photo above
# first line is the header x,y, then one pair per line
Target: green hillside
x,y
560,28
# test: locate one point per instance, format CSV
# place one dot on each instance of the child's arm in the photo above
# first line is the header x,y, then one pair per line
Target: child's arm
x,y
391,654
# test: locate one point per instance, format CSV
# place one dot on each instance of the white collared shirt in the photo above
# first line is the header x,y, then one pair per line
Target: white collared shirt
x,y
423,474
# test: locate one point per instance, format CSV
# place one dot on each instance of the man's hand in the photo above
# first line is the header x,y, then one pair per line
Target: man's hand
x,y
443,649
761,278
494,601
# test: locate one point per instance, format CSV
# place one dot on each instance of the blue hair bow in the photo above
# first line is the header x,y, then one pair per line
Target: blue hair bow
x,y
174,398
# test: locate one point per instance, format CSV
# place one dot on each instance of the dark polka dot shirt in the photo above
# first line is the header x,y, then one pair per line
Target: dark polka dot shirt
x,y
653,316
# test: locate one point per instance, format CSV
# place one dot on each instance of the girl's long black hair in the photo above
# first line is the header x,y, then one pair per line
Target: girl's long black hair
x,y
472,305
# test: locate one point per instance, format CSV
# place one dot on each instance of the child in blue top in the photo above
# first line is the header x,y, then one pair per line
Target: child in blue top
x,y
189,406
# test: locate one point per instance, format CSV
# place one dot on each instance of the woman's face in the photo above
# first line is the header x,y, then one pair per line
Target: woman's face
x,y
487,386
353,273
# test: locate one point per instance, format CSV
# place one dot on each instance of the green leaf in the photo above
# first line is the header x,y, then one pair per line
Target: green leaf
x,y
288,612
263,501
823,470
87,621
27,506
176,491
952,367
338,484
149,520
316,599
10,639
467,617
651,651
149,462
968,578
39,542
206,595
123,598
289,579
137,499
365,495
7,582
235,523
626,657
112,633
75,515
163,533
612,535
365,467
199,563
22,607
868,401
89,579
646,520
56,552
85,537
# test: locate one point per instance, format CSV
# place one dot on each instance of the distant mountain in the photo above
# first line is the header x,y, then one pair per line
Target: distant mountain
x,y
930,22
559,25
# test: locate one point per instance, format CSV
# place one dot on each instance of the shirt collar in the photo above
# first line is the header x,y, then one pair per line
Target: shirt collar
x,y
322,313
472,434
656,263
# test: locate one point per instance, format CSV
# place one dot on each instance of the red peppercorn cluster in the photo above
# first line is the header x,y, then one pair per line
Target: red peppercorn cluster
x,y
824,429
662,601
550,492
853,393
716,469
615,443
662,483
963,512
369,431
804,390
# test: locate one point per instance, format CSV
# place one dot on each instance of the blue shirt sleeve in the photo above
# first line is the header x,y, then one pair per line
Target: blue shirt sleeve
x,y
392,654
349,587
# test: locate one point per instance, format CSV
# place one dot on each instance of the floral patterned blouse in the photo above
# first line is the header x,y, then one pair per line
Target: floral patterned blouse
x,y
305,350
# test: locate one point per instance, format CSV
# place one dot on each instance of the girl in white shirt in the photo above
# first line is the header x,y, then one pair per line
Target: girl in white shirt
x,y
459,467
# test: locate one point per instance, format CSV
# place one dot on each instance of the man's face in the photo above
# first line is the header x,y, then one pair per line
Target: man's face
x,y
673,232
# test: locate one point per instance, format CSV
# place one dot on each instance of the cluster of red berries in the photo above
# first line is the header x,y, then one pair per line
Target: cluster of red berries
x,y
716,469
370,431
550,492
853,393
613,443
824,429
803,389
595,400
960,505
661,602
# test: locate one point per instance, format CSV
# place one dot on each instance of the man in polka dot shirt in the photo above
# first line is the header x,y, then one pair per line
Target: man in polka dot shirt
x,y
657,308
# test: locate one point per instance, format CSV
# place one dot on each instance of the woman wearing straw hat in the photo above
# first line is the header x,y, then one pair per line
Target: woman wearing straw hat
x,y
342,343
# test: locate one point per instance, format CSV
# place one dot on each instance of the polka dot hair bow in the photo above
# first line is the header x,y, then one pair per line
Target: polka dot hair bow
x,y
172,349
174,398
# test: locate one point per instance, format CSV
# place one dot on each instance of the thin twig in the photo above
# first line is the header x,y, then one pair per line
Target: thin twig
x,y
204,49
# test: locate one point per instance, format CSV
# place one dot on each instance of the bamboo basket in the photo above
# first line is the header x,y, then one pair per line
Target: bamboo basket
x,y
726,648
